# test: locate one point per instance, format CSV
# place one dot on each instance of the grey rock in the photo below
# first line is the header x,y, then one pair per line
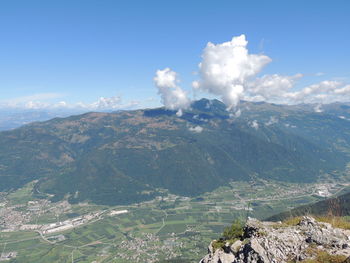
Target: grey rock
x,y
270,242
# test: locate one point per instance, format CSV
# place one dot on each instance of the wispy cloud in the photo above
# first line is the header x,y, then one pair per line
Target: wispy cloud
x,y
44,101
34,97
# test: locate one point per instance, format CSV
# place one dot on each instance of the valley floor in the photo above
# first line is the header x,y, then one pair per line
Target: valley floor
x,y
168,227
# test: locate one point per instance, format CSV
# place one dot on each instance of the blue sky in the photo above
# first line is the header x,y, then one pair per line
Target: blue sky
x,y
76,51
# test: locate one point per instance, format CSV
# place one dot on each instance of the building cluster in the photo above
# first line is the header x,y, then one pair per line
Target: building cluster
x,y
21,217
68,224
18,217
149,248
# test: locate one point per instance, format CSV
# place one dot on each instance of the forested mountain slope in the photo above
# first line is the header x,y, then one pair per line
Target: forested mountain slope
x,y
124,157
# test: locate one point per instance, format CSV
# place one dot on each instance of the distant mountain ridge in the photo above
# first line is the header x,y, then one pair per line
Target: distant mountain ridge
x,y
124,157
11,119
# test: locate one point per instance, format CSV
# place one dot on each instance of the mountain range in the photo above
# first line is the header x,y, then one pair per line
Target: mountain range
x,y
130,156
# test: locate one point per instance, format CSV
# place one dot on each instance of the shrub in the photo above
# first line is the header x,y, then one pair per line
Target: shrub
x,y
235,231
230,235
218,244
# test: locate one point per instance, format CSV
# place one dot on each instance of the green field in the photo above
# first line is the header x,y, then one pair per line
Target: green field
x,y
170,227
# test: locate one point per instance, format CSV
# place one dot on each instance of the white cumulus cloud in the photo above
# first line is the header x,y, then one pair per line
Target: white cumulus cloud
x,y
172,96
271,88
106,103
314,92
226,67
343,91
227,70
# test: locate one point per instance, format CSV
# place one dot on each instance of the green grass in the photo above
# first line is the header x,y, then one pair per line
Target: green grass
x,y
8,237
320,256
22,195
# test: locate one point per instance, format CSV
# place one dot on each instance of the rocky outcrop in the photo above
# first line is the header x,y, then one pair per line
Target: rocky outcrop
x,y
270,242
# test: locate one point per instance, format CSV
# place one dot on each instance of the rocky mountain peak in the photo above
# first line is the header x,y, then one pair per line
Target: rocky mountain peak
x,y
270,242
